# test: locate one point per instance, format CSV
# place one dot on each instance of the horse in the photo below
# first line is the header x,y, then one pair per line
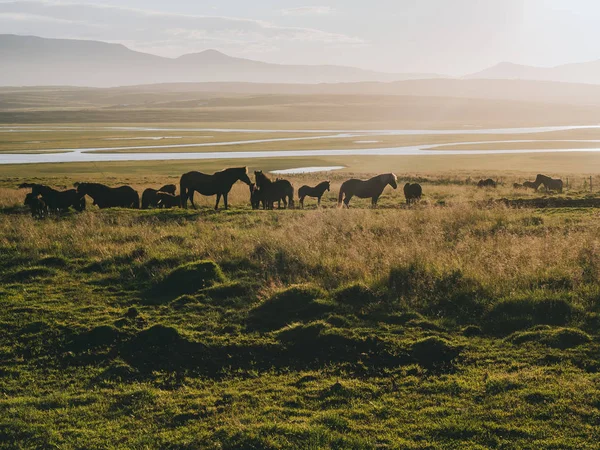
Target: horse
x,y
108,197
371,188
487,183
150,197
256,196
37,206
530,185
551,184
169,189
274,191
518,186
57,201
412,192
219,184
166,200
315,192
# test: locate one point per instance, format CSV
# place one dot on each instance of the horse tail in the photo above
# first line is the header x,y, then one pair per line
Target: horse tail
x,y
341,195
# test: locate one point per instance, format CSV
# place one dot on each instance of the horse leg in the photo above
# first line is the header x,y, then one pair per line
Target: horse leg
x,y
374,201
218,200
225,201
347,199
319,201
302,202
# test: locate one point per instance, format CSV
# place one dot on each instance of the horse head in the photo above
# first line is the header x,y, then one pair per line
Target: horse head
x,y
328,185
393,180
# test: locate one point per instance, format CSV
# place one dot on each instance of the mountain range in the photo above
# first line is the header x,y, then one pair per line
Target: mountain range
x,y
30,60
36,61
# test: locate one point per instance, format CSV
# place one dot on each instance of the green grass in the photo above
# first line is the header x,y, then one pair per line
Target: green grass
x,y
469,325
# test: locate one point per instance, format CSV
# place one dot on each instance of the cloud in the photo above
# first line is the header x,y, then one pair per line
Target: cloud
x,y
162,33
308,11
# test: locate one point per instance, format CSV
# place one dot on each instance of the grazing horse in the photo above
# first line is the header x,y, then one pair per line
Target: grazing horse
x,y
551,184
530,185
57,201
166,200
256,197
169,189
315,192
487,183
37,206
274,191
150,197
107,197
412,192
371,188
219,184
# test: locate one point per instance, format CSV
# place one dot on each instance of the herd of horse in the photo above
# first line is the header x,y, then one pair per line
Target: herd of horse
x,y
550,184
264,192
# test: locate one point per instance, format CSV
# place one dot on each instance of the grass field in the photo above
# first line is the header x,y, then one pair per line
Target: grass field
x,y
458,323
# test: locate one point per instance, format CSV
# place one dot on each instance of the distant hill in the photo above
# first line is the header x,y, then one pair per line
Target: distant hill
x,y
587,72
34,61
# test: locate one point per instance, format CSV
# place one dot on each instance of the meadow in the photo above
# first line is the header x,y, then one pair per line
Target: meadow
x,y
456,323
470,320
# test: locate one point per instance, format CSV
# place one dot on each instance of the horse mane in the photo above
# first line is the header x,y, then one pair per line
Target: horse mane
x,y
322,183
261,175
388,177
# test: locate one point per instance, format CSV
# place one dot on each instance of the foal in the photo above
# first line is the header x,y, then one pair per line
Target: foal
x,y
315,192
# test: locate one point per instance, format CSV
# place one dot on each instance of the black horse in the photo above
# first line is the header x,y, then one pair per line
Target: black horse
x,y
166,200
107,197
274,191
412,192
219,184
150,196
315,192
38,207
488,183
371,188
57,201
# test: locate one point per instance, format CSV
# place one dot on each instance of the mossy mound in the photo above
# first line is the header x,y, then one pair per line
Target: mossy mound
x,y
190,278
510,315
355,296
295,304
98,337
434,352
562,338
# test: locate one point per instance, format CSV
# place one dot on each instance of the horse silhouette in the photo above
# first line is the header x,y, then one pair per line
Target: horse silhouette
x,y
150,198
109,197
412,192
166,200
274,191
371,188
550,184
38,207
314,192
219,184
487,183
530,185
57,201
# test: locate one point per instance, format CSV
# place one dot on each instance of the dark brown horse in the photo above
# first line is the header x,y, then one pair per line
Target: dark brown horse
x,y
314,192
166,200
550,184
57,201
530,185
274,191
371,188
169,189
412,193
219,184
108,197
38,207
150,197
487,183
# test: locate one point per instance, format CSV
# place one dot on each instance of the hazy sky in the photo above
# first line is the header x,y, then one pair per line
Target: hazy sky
x,y
443,36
